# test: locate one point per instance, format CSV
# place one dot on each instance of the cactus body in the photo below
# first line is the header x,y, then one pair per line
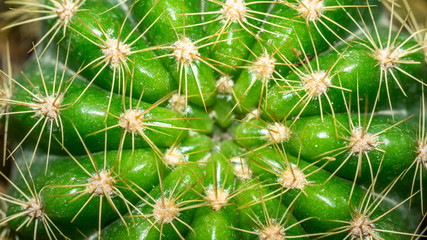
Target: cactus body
x,y
226,119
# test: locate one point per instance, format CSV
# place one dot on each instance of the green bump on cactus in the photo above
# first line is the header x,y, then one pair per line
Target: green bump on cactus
x,y
216,119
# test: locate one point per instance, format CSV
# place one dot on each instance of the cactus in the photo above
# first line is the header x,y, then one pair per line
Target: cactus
x,y
216,119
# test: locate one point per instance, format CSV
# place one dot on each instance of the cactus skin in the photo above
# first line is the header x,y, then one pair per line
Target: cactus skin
x,y
230,119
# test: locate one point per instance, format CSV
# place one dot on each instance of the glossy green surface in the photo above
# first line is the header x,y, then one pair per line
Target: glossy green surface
x,y
195,147
138,168
140,228
328,201
290,32
196,79
222,108
351,77
394,148
209,225
197,119
232,47
265,213
89,33
222,169
314,139
165,126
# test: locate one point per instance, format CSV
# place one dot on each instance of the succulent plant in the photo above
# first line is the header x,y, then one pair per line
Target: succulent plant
x,y
216,119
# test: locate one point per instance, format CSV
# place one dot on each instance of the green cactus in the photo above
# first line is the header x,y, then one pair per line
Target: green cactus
x,y
216,119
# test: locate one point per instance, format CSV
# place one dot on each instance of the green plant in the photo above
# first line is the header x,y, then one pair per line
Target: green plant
x,y
166,119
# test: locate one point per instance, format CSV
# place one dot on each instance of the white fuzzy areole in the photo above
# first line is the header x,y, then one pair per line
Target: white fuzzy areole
x,y
264,66
217,199
185,51
101,184
273,232
177,102
279,133
49,108
234,10
361,141
115,52
297,180
387,58
131,121
241,168
225,85
165,211
243,172
35,209
254,114
174,157
361,227
311,9
65,10
316,84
